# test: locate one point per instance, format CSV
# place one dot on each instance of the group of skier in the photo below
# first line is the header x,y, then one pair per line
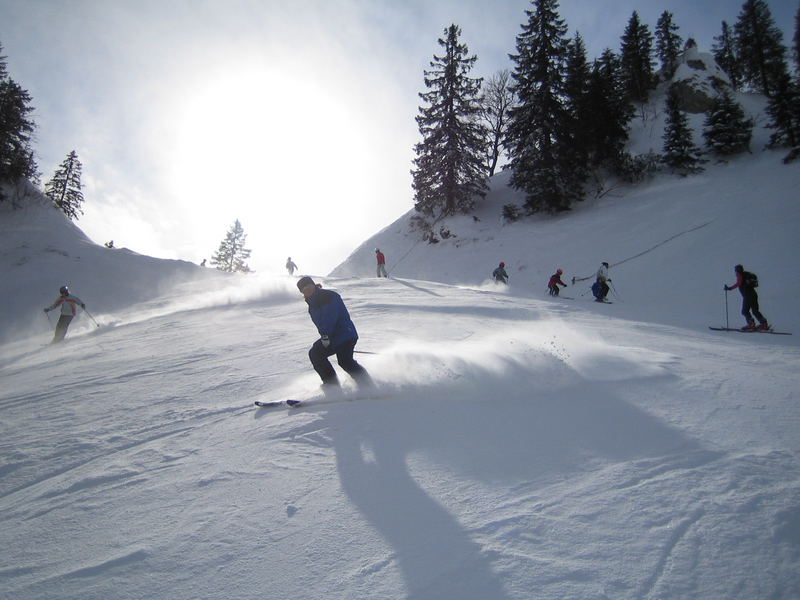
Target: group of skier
x,y
746,283
338,335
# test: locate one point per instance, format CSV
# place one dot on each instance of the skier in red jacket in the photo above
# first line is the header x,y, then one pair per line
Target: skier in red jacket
x,y
381,263
555,281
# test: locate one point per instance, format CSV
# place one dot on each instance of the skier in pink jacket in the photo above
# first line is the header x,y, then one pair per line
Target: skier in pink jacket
x,y
69,308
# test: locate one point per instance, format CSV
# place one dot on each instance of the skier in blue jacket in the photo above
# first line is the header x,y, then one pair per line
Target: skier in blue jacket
x,y
337,333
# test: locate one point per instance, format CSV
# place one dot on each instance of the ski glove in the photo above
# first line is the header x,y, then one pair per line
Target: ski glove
x,y
727,289
325,341
83,306
46,310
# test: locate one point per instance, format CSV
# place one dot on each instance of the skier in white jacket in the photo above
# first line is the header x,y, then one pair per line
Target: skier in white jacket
x,y
69,308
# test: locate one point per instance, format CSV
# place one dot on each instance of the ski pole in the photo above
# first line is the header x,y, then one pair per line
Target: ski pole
x,y
727,326
47,314
363,352
91,317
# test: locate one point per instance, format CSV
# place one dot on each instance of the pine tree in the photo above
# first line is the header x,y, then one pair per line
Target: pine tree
x,y
232,254
759,47
726,129
450,173
64,189
608,112
636,59
784,113
16,131
496,102
797,42
724,51
668,44
680,152
576,101
539,133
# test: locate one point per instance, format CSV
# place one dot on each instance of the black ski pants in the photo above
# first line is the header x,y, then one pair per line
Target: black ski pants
x,y
750,305
318,354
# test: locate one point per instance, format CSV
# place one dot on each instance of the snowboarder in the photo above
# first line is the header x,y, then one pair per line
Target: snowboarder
x,y
290,266
69,308
600,286
499,274
747,283
337,332
381,263
555,281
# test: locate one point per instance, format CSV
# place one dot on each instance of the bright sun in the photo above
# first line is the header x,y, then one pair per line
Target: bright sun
x,y
269,149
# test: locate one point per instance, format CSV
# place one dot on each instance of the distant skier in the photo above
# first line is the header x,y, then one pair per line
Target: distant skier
x,y
600,285
290,266
338,335
69,308
203,264
381,263
499,274
555,281
747,283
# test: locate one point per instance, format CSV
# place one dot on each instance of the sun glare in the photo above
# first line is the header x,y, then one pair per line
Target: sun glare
x,y
269,149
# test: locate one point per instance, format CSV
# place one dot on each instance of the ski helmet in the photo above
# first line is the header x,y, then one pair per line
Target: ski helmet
x,y
605,264
559,271
502,264
64,290
738,268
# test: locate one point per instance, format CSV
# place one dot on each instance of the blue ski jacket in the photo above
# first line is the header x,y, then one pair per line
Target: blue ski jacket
x,y
330,315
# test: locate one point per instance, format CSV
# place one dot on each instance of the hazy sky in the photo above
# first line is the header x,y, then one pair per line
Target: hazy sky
x,y
295,117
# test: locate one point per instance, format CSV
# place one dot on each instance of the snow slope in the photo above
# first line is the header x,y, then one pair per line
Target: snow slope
x,y
518,446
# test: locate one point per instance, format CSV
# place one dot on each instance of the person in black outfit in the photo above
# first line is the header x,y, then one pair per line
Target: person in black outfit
x,y
747,282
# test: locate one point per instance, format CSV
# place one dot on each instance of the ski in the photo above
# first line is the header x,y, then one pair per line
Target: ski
x,y
275,403
749,330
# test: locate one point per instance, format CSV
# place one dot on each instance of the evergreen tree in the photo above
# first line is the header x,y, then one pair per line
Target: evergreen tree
x,y
608,112
540,129
16,130
576,101
450,172
496,103
232,254
797,42
636,59
680,152
759,47
784,113
724,51
64,189
726,129
668,44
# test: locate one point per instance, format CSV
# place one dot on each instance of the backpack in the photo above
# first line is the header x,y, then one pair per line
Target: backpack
x,y
750,279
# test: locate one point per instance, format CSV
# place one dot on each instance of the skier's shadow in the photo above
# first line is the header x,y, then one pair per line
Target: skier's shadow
x,y
434,553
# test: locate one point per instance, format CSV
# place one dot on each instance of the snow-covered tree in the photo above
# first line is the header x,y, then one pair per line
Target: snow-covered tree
x,y
668,43
724,51
759,47
636,56
64,189
727,130
16,131
539,133
496,102
450,173
680,152
232,254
